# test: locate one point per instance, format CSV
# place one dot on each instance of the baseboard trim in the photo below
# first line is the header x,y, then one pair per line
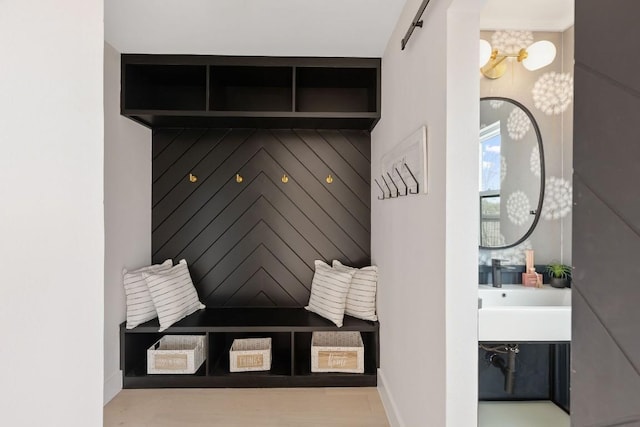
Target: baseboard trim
x,y
112,386
389,403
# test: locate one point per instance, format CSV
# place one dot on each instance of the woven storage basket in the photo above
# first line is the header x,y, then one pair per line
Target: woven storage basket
x,y
250,354
176,354
337,352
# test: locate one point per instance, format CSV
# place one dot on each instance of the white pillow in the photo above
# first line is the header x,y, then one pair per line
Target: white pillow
x,y
140,307
361,299
173,294
329,289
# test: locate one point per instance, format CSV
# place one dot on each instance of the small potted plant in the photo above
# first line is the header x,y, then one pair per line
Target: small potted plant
x,y
559,275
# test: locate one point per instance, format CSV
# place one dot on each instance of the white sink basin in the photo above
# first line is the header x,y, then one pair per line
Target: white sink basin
x,y
515,313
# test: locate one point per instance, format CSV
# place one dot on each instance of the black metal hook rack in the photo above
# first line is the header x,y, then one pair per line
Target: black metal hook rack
x,y
393,194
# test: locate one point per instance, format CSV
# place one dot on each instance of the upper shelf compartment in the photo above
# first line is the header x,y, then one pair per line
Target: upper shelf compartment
x,y
165,87
336,90
242,88
268,92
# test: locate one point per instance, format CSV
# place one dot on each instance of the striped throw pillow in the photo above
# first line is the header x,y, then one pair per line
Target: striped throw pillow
x,y
140,306
361,299
173,294
329,289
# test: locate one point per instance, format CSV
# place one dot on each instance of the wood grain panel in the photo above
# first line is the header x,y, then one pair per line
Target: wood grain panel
x,y
607,136
605,380
610,294
175,151
183,165
604,385
254,243
163,140
606,31
183,190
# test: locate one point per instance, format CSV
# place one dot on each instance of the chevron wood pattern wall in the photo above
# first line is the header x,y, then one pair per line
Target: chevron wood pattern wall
x,y
254,243
605,348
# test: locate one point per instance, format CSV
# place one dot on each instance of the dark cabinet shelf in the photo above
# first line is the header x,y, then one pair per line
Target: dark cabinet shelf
x,y
251,88
165,87
280,352
290,330
269,92
279,367
140,371
253,119
339,90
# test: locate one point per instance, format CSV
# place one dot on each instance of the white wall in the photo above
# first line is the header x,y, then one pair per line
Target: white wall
x,y
463,113
127,212
426,246
51,213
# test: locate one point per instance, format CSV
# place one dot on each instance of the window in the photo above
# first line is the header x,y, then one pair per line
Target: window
x,y
490,178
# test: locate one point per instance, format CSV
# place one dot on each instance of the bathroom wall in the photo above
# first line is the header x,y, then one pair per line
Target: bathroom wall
x,y
541,92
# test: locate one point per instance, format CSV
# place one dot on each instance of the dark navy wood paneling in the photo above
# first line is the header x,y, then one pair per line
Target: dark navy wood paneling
x,y
613,288
607,158
604,385
254,243
606,36
606,219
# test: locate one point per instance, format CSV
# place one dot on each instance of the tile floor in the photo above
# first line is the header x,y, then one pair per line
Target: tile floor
x,y
521,414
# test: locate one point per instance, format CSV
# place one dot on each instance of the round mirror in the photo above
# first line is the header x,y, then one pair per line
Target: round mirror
x,y
511,173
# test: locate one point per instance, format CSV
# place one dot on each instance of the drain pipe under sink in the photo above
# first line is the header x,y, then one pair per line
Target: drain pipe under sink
x,y
508,368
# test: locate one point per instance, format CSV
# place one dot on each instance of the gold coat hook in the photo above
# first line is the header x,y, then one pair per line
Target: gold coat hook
x,y
239,178
192,178
329,179
285,178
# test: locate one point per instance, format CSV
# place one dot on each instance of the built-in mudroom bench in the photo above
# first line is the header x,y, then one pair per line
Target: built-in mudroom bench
x,y
289,328
260,166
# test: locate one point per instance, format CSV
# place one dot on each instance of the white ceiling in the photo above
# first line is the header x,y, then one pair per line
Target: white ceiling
x,y
534,15
292,27
252,27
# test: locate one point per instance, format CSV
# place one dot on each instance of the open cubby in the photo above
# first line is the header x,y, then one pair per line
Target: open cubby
x,y
220,344
302,362
251,92
289,328
135,358
165,87
241,88
320,89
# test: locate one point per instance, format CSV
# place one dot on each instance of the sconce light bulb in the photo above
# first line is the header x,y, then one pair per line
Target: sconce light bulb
x,y
540,54
485,52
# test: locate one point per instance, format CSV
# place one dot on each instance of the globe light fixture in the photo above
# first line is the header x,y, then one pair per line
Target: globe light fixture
x,y
538,55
